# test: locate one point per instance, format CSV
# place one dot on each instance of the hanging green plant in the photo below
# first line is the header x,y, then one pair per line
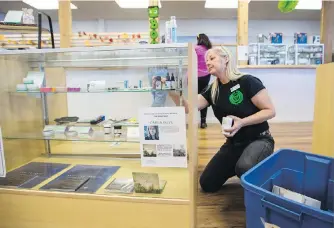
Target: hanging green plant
x,y
287,6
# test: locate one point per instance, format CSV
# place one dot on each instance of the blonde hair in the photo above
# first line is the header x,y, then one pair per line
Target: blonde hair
x,y
232,71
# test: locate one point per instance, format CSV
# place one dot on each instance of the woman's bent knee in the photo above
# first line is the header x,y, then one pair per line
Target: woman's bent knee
x,y
207,184
252,155
241,168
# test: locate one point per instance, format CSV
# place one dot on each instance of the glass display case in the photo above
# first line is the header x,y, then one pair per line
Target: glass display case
x,y
267,54
281,54
272,54
309,54
70,125
306,54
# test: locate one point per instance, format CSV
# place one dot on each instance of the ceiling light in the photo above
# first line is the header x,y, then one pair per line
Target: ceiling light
x,y
135,4
45,4
222,4
309,4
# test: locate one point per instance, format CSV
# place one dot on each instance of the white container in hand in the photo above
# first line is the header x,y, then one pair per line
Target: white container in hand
x,y
226,124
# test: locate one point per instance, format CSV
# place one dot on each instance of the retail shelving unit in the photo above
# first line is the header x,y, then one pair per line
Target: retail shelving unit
x,y
23,116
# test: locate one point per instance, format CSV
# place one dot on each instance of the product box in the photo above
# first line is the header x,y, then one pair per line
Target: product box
x,y
316,39
300,38
276,38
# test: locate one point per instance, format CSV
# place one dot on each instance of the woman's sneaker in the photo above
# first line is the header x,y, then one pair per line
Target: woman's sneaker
x,y
203,124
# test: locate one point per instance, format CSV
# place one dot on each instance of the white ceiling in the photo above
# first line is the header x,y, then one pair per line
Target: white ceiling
x,y
182,9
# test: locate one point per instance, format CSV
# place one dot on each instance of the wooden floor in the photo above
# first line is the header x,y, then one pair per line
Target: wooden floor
x,y
225,209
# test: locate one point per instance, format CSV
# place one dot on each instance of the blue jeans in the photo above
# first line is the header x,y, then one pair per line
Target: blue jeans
x,y
159,97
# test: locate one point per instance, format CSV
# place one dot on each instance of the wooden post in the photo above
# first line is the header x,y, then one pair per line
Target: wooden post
x,y
323,122
327,33
65,23
192,134
242,39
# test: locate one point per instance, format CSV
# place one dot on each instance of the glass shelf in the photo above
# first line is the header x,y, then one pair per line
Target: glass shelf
x,y
94,137
102,91
113,56
125,124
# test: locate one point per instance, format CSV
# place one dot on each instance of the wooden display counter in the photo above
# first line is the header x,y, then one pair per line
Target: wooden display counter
x,y
35,208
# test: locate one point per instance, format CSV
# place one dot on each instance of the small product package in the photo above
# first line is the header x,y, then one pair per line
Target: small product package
x,y
316,40
301,38
276,38
96,86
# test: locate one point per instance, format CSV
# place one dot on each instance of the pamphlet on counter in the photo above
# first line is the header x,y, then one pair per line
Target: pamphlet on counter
x,y
2,158
163,137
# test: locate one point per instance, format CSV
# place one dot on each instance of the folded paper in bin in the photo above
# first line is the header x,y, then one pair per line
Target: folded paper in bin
x,y
296,197
268,225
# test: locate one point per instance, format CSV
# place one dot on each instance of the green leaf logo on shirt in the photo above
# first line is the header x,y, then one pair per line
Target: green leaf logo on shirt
x,y
236,97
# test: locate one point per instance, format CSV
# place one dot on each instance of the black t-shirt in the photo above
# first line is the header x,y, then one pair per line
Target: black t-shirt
x,y
234,98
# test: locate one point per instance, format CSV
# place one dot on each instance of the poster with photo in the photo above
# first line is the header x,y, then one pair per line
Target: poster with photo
x,y
2,158
163,141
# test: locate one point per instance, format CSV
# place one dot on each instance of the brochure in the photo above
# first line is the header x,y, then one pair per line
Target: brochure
x,y
82,178
67,185
31,174
121,185
163,137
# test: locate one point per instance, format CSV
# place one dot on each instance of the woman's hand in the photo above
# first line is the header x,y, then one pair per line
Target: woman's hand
x,y
237,125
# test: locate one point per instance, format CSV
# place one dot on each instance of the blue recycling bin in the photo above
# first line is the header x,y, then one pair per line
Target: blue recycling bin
x,y
308,174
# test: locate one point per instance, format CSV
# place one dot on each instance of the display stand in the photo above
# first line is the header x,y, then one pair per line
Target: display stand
x,y
24,112
323,123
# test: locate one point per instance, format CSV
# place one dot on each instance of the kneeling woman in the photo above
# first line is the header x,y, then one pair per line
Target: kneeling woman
x,y
244,99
